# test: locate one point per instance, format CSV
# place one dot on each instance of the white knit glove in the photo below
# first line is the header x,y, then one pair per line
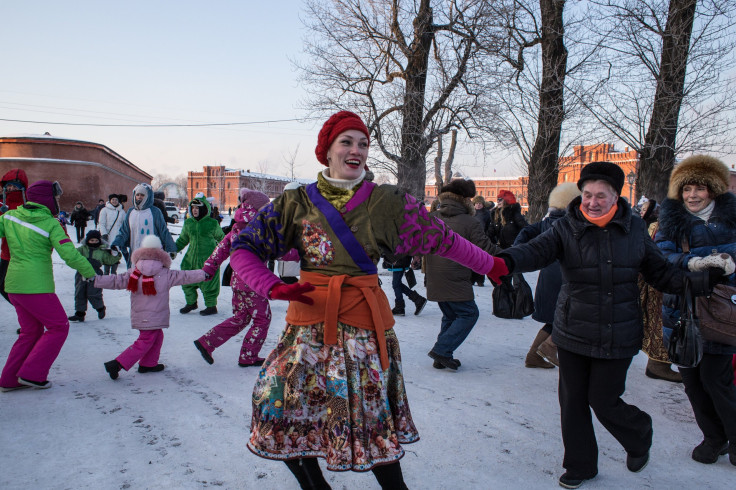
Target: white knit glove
x,y
721,261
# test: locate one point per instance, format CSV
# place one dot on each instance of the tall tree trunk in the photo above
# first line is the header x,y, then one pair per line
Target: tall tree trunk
x,y
543,164
412,169
438,181
657,157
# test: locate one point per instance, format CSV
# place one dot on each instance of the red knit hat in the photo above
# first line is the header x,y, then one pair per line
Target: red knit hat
x,y
337,123
507,196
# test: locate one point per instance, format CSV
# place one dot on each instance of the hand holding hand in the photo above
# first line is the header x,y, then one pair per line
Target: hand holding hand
x,y
498,270
292,292
721,261
209,269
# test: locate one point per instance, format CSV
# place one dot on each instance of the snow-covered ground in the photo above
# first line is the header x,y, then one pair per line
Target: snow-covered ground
x,y
491,424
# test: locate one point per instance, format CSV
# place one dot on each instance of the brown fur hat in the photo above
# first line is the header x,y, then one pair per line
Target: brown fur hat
x,y
702,170
561,195
461,187
151,249
479,200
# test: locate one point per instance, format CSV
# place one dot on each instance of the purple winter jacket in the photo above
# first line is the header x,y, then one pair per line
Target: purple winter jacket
x,y
150,312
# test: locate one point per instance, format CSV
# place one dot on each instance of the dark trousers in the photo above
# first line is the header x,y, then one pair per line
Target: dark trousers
x,y
85,291
80,233
400,289
586,383
712,394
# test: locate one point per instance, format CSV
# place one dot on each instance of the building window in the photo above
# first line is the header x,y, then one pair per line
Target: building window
x,y
196,185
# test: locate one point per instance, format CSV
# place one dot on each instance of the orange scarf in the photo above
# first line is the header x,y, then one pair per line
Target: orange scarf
x,y
602,221
353,300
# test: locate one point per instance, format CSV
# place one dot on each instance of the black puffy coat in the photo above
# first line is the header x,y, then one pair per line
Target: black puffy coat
x,y
506,223
598,312
549,281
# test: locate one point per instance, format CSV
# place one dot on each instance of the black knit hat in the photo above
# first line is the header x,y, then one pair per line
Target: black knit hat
x,y
93,234
461,187
607,171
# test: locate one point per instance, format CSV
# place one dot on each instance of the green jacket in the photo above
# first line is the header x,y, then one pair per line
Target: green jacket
x,y
32,234
202,236
98,257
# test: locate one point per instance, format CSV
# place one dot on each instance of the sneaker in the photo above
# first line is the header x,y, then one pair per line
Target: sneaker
x,y
636,463
210,310
77,316
205,355
39,385
448,362
569,481
258,362
398,311
101,313
708,451
5,389
420,304
188,308
151,369
113,368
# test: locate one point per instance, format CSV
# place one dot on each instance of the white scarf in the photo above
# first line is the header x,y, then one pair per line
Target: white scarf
x,y
704,213
340,183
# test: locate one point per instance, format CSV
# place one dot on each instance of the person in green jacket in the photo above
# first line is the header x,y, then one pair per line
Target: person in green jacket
x,y
84,290
202,233
33,233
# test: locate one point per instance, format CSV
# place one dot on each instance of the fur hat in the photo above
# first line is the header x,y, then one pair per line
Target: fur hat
x,y
606,171
561,195
507,196
42,192
479,200
151,248
461,187
702,170
253,198
337,123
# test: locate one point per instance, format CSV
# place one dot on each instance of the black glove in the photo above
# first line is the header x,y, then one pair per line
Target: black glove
x,y
715,275
106,237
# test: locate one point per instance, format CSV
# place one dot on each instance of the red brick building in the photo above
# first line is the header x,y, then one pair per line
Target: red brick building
x,y
223,184
86,171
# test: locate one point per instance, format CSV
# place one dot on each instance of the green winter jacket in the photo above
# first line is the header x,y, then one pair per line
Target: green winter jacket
x,y
98,257
32,234
202,236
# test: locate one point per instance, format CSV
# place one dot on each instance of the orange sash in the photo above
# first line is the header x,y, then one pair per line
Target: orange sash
x,y
357,301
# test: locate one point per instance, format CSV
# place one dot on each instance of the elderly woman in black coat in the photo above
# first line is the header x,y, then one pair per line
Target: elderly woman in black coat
x,y
700,214
602,247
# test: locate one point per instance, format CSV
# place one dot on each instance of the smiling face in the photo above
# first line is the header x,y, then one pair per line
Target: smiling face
x,y
347,155
598,198
114,201
696,197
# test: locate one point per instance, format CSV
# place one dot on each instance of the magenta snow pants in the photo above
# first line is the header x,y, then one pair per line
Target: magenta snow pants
x,y
145,351
247,305
36,349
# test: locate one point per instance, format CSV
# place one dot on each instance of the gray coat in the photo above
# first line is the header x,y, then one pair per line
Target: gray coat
x,y
448,280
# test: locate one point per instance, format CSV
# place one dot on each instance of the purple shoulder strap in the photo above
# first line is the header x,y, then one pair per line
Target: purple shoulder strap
x,y
338,225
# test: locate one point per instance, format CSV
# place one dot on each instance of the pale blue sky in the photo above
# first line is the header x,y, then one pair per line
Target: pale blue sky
x,y
159,62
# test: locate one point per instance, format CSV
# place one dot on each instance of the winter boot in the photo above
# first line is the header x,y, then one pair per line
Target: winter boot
x,y
188,308
708,451
78,316
534,360
39,385
661,370
151,369
207,356
113,368
210,310
548,350
398,311
101,313
258,361
447,362
418,300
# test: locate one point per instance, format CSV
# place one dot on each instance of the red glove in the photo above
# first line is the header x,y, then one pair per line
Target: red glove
x,y
498,270
292,292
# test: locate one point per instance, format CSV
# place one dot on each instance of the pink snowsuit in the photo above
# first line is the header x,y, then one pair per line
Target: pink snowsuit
x,y
148,313
247,304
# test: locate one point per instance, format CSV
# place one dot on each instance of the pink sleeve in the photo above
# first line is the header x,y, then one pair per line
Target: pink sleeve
x,y
292,255
254,272
465,253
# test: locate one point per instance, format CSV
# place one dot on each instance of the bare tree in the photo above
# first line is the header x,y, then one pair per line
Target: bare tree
x,y
665,91
410,68
290,161
443,168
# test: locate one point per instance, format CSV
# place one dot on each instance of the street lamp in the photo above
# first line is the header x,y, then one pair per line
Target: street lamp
x,y
631,178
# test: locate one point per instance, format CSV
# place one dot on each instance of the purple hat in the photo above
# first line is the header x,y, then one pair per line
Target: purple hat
x,y
42,192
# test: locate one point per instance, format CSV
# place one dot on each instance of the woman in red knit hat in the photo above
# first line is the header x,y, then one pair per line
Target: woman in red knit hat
x,y
337,368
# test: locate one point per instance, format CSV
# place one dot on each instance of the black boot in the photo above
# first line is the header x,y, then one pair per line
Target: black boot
x,y
151,369
101,313
205,355
188,308
113,368
419,302
448,362
308,473
210,310
398,311
389,476
78,316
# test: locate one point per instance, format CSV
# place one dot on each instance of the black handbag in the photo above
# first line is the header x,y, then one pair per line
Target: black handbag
x,y
686,343
411,279
227,275
513,298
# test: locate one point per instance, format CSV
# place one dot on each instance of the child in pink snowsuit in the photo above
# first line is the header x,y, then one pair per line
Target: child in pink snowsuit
x,y
149,282
247,304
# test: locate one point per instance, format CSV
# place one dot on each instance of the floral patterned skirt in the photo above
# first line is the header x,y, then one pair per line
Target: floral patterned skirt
x,y
331,401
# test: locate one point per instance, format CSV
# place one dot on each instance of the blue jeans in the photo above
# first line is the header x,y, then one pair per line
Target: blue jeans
x,y
458,319
400,289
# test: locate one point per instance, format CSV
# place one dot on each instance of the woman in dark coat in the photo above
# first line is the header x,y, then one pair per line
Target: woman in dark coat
x,y
506,220
699,210
602,247
549,281
79,219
